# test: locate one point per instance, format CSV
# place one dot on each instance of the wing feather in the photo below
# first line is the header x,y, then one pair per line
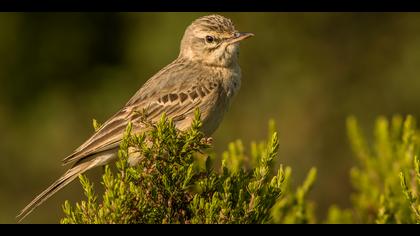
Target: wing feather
x,y
177,100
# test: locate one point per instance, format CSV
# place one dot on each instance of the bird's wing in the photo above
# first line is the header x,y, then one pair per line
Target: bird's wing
x,y
177,98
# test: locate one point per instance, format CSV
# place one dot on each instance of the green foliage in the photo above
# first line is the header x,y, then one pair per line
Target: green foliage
x,y
387,179
176,182
293,208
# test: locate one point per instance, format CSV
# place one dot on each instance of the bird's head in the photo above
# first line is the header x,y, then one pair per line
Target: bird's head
x,y
212,40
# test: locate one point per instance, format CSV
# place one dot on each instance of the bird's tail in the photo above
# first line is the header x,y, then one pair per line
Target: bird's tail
x,y
68,177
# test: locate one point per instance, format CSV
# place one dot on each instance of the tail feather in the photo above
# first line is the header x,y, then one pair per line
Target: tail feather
x,y
68,177
81,166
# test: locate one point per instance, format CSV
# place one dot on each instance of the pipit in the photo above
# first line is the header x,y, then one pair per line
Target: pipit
x,y
206,75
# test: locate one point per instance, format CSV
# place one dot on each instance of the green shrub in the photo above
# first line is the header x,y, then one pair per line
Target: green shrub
x,y
177,182
387,178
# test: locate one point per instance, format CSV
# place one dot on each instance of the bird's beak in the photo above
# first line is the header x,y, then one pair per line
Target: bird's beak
x,y
239,37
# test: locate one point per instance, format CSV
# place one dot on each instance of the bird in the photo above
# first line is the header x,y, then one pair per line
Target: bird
x,y
206,76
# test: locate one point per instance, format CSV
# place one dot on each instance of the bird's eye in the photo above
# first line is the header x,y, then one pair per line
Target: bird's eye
x,y
209,39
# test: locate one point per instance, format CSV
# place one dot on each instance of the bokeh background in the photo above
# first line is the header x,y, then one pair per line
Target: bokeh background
x,y
307,71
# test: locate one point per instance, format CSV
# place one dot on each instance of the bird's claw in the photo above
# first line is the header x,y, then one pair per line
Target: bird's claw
x,y
208,140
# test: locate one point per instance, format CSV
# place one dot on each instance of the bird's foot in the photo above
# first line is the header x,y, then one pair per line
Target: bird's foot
x,y
208,140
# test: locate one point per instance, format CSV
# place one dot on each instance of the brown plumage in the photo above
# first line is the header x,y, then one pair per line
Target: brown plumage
x,y
206,75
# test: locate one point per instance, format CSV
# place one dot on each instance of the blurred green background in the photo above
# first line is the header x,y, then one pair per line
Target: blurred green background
x,y
307,71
